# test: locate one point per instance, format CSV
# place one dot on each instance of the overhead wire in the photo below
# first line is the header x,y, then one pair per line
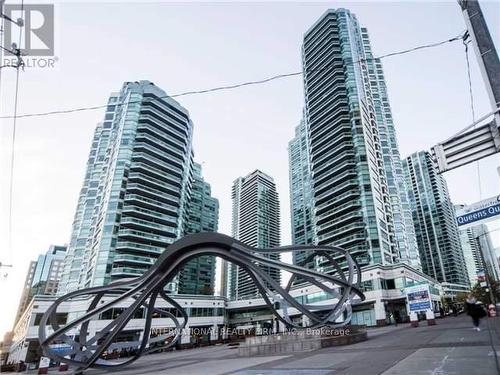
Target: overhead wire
x,y
13,139
237,85
466,41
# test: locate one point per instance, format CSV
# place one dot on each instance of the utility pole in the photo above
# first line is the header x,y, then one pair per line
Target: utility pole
x,y
469,145
484,48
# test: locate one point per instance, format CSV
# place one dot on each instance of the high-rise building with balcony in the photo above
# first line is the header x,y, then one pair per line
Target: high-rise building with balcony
x,y
256,222
488,253
472,254
359,199
434,219
43,276
301,203
133,203
198,275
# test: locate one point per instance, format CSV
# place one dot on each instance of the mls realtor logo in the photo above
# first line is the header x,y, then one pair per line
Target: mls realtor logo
x,y
36,33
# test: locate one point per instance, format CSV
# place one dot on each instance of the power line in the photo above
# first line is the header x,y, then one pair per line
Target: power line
x,y
14,126
472,109
238,85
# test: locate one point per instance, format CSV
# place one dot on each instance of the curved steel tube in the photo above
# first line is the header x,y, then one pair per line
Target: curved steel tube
x,y
86,352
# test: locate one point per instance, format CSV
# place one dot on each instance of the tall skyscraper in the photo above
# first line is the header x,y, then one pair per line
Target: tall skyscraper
x,y
26,294
357,184
488,253
301,203
404,231
134,197
472,254
256,222
43,276
198,275
434,219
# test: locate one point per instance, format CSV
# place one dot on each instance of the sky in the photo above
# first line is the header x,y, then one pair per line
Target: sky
x,y
189,46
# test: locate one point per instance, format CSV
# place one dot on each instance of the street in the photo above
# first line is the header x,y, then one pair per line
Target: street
x,y
450,347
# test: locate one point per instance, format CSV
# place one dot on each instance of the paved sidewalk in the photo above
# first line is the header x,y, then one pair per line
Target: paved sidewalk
x,y
451,347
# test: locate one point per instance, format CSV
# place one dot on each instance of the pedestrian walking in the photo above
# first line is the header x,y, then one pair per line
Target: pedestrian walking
x,y
476,311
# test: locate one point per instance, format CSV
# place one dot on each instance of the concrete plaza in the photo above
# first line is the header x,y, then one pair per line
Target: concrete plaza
x,y
450,347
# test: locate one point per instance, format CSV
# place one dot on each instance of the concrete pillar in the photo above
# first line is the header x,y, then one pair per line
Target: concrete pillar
x,y
429,316
380,315
43,367
214,333
186,336
305,321
413,319
63,366
281,327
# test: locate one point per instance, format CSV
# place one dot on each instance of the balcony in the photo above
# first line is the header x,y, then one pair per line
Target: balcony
x,y
336,221
150,203
324,150
127,272
339,232
156,173
336,165
167,120
326,157
133,259
165,147
145,237
333,188
154,182
342,242
157,153
139,248
131,222
151,215
157,163
340,208
152,193
161,136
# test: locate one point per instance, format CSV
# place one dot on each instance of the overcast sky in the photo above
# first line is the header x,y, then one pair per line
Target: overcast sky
x,y
182,47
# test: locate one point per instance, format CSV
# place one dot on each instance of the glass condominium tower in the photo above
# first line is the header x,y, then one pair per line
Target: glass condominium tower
x,y
136,188
198,275
255,222
434,219
301,204
359,200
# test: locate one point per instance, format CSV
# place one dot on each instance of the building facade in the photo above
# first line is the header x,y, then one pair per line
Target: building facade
x,y
404,231
256,222
134,198
488,253
359,200
472,254
434,219
26,294
198,276
301,203
43,276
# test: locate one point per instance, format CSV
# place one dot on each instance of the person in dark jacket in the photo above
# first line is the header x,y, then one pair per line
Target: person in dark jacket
x,y
476,311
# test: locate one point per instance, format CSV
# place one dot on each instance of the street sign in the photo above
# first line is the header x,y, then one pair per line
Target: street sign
x,y
482,211
418,297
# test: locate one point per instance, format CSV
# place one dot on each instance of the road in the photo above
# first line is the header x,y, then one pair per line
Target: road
x,y
451,347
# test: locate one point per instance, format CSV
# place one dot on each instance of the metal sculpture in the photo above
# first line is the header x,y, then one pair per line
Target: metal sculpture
x,y
342,283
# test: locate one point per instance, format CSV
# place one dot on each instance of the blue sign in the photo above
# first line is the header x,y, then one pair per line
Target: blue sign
x,y
485,213
61,349
420,306
418,298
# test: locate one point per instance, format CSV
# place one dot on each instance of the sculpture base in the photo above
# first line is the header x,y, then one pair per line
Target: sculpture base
x,y
302,340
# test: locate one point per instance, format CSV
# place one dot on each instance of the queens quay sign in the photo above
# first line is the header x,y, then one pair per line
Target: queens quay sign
x,y
478,212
